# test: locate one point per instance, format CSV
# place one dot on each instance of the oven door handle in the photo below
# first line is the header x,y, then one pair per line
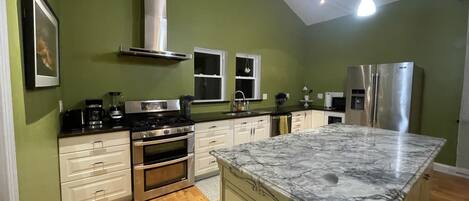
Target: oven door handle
x,y
145,167
141,144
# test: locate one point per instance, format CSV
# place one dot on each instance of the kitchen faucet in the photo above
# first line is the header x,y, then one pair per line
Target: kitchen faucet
x,y
239,106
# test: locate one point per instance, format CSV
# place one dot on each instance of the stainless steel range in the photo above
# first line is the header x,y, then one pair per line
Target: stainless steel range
x,y
163,148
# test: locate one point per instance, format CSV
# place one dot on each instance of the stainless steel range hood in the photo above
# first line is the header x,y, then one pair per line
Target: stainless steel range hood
x,y
156,34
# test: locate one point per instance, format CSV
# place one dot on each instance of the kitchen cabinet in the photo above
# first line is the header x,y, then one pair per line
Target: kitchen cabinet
x,y
251,129
422,187
96,167
210,136
301,120
223,134
317,118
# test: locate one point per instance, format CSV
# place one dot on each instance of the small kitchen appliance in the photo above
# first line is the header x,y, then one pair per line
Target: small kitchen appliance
x,y
329,98
115,110
94,112
162,148
186,102
72,120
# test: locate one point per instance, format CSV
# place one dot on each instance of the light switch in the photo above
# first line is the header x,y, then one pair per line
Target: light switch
x,y
61,106
320,96
264,96
288,95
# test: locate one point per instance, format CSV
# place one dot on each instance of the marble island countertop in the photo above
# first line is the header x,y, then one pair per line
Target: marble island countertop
x,y
336,162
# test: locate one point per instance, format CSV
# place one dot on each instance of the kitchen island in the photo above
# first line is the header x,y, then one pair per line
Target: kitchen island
x,y
335,162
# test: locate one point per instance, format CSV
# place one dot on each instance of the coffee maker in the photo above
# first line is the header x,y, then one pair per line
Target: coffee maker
x,y
94,112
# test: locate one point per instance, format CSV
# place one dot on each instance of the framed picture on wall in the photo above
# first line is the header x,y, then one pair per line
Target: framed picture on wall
x,y
40,44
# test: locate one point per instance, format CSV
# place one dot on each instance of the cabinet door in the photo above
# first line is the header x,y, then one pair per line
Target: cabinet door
x,y
242,134
317,118
261,131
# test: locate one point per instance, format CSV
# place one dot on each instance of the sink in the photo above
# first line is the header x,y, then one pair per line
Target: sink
x,y
240,113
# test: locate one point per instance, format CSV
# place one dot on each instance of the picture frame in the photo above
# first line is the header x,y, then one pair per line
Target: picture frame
x,y
41,50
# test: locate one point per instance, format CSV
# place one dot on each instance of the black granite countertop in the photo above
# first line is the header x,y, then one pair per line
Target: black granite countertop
x,y
107,127
217,116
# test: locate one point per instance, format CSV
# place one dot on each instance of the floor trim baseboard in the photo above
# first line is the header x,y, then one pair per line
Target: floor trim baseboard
x,y
451,170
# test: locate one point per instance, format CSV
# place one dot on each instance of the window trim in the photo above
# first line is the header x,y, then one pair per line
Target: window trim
x,y
222,75
256,74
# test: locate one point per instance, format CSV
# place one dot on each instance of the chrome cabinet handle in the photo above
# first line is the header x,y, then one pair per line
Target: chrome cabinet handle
x,y
99,192
212,127
96,143
212,162
213,141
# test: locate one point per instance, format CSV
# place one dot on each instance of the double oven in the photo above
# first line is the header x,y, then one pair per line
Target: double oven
x,y
164,163
162,148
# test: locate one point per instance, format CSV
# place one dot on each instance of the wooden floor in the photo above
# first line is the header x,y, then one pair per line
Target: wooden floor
x,y
449,188
444,188
188,194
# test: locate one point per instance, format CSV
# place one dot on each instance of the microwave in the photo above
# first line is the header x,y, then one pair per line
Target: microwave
x,y
334,117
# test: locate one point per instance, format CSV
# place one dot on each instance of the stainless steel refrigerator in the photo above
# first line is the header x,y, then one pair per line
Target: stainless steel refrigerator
x,y
385,96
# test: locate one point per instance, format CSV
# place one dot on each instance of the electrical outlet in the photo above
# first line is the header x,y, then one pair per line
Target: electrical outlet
x,y
320,96
264,96
288,95
61,106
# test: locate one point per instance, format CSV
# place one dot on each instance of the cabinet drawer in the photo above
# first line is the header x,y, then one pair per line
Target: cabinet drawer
x,y
205,163
90,142
85,164
211,148
213,126
205,142
202,134
112,186
298,114
251,120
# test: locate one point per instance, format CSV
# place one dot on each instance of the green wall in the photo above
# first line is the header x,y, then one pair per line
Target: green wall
x,y
36,118
93,30
430,32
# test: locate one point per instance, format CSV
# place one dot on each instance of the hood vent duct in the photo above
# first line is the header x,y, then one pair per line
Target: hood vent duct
x,y
156,34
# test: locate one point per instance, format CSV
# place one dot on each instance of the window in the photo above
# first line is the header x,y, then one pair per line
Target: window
x,y
248,73
209,75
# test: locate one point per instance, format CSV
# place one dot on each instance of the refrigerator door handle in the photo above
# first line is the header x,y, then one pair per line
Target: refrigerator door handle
x,y
375,101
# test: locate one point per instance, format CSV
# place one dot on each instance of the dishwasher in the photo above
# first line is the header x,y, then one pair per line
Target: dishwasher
x,y
275,121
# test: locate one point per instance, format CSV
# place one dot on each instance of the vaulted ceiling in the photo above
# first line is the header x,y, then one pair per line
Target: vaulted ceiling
x,y
313,11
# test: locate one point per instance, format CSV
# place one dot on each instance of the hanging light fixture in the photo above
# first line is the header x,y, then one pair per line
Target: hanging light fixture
x,y
322,2
366,8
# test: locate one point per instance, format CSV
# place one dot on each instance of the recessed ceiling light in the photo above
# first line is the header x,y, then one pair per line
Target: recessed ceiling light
x,y
366,8
322,2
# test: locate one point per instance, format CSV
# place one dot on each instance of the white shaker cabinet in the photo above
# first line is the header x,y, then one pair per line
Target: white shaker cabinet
x,y
210,136
96,167
301,120
317,118
251,129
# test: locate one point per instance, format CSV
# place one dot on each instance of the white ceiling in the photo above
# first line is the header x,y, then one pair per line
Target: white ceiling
x,y
312,11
